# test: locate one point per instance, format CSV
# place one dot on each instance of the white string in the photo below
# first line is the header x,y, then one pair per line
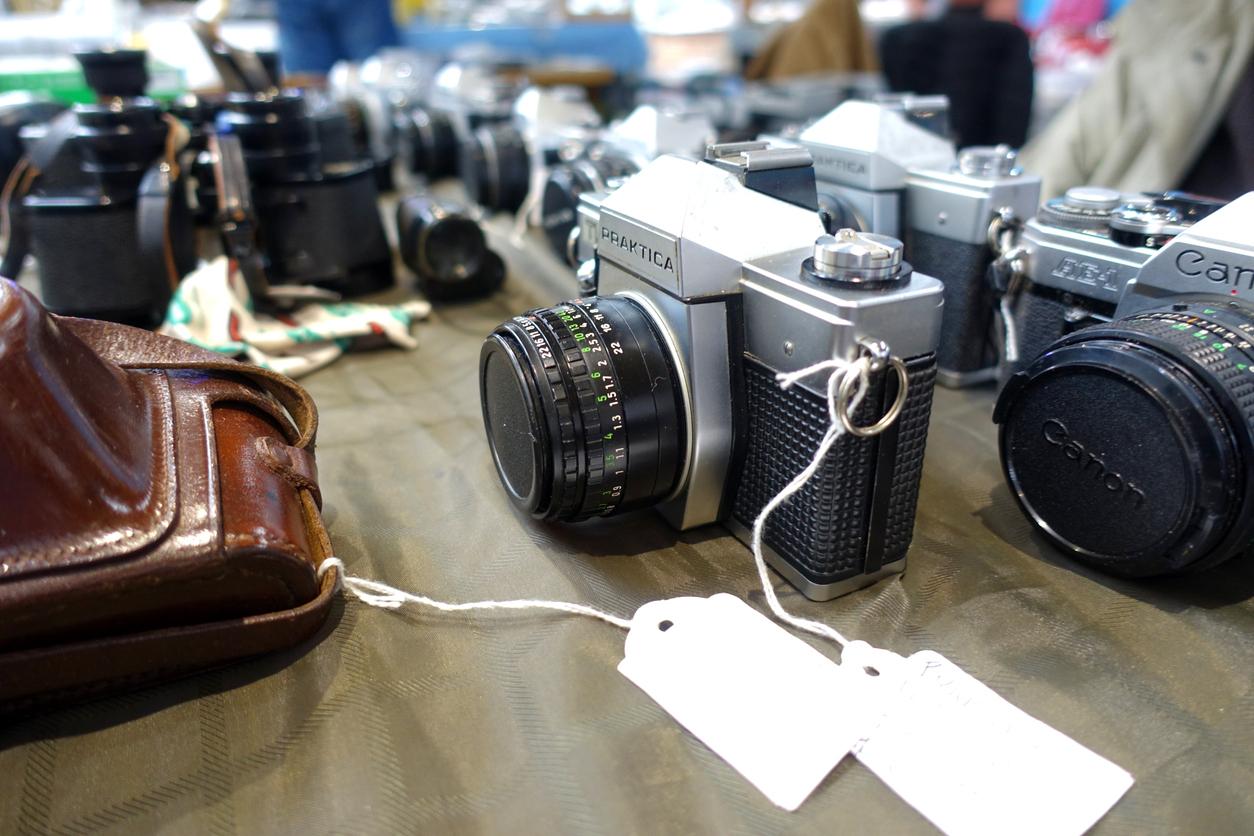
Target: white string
x,y
840,369
378,594
1011,338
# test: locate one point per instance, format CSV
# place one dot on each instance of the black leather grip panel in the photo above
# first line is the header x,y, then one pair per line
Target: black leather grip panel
x,y
857,512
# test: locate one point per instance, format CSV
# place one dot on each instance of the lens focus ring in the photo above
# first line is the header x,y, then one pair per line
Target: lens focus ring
x,y
602,410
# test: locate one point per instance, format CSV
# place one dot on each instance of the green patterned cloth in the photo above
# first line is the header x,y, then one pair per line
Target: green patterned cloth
x,y
211,308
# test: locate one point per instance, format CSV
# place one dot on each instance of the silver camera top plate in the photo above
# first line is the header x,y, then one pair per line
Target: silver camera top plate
x,y
703,225
1215,255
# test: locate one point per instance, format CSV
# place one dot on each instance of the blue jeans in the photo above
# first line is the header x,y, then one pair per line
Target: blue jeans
x,y
314,34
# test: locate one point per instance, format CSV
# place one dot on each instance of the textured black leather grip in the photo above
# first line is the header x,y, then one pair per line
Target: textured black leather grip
x,y
969,300
857,512
91,264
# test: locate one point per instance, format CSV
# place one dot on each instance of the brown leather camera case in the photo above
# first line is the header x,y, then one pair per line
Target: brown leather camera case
x,y
159,508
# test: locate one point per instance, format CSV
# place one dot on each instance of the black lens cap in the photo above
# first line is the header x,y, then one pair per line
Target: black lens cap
x,y
510,415
1119,456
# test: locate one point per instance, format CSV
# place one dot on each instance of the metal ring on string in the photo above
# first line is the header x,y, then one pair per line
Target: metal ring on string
x,y
848,385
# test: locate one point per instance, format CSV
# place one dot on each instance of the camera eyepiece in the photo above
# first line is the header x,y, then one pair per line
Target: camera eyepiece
x,y
115,73
1131,445
583,409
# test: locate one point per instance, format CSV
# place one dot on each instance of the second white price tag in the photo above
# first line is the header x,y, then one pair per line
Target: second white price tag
x,y
978,766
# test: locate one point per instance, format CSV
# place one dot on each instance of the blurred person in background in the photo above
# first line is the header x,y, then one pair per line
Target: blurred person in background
x,y
314,34
1172,107
828,38
984,66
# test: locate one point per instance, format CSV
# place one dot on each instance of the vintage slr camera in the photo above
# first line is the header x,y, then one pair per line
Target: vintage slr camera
x,y
661,390
317,212
101,203
598,165
954,219
446,249
463,98
862,152
1069,265
500,161
1130,444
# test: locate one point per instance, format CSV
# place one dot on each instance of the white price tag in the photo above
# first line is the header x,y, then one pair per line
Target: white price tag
x,y
974,764
777,710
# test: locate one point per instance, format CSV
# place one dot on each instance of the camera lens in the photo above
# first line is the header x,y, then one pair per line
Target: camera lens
x,y
559,205
583,409
1131,445
437,241
428,144
278,136
496,168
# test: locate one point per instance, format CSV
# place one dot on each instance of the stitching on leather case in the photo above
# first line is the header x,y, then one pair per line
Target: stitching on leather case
x,y
164,502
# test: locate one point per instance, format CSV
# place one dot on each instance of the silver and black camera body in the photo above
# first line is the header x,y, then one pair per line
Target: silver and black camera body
x,y
713,277
599,163
953,222
862,152
1130,443
1072,262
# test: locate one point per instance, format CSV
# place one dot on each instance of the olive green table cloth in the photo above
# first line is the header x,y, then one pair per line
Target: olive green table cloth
x,y
419,722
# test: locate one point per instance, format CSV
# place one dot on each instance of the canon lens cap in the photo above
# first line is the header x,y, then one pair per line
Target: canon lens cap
x,y
1115,452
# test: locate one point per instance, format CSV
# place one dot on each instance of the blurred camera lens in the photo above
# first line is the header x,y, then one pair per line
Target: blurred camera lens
x,y
559,205
118,142
279,138
428,144
583,409
438,241
1131,445
496,168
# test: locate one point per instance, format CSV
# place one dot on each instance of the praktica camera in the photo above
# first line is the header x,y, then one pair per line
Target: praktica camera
x,y
713,277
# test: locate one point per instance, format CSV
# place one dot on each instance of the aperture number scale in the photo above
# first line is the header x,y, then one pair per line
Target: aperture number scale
x,y
595,337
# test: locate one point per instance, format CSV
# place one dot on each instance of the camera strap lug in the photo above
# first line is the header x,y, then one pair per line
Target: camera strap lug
x,y
874,356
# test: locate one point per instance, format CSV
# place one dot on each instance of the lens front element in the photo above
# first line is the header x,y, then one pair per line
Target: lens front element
x,y
583,409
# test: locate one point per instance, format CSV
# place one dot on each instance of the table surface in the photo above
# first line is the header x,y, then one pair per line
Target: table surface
x,y
411,721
